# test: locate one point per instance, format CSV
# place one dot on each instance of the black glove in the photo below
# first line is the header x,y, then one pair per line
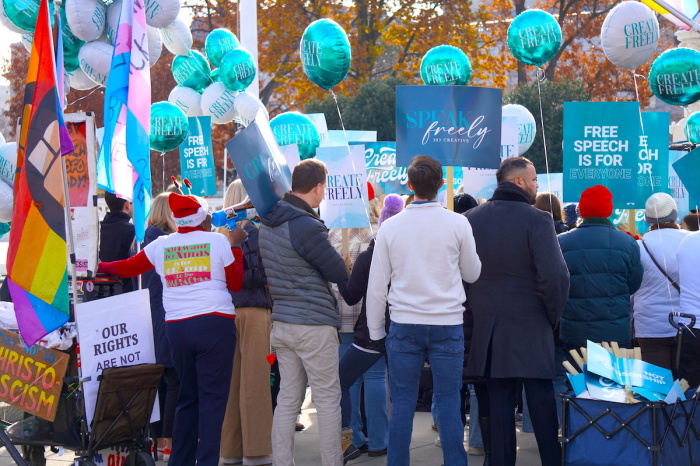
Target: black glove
x,y
378,345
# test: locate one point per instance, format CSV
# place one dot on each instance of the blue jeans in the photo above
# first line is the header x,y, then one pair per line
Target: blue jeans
x,y
407,347
356,367
475,439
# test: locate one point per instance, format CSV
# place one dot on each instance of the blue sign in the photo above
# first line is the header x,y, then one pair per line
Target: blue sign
x,y
687,169
382,172
261,165
458,126
652,171
601,146
197,157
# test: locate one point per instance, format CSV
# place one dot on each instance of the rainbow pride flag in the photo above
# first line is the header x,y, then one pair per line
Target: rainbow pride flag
x,y
124,163
37,257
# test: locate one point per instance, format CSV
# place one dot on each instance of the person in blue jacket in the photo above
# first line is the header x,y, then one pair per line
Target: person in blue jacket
x,y
605,269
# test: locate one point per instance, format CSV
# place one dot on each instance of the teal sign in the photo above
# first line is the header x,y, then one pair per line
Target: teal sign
x,y
687,168
459,126
652,168
197,157
601,146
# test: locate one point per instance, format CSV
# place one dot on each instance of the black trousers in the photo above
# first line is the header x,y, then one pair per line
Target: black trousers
x,y
540,399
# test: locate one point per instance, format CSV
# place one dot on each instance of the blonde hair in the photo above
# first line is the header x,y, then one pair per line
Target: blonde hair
x,y
161,215
235,193
375,210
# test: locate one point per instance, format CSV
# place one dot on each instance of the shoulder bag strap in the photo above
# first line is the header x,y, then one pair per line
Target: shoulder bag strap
x,y
675,285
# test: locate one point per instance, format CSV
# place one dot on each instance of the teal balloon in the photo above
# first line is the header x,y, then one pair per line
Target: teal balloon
x,y
237,70
445,65
295,128
219,42
534,37
675,76
169,126
192,70
325,53
24,13
71,62
692,128
215,75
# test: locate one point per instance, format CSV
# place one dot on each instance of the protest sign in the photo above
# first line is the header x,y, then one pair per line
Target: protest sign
x,y
30,378
687,169
197,157
652,168
343,138
601,147
382,172
81,176
458,126
261,165
678,191
291,155
551,183
509,137
114,332
319,120
345,204
480,183
457,181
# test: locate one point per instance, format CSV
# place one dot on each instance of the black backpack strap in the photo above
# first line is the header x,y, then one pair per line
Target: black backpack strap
x,y
675,285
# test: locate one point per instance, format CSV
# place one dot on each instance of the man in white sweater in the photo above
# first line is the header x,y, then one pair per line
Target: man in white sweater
x,y
420,258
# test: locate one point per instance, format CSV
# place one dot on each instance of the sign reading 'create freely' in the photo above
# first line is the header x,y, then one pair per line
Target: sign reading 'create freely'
x,y
601,146
382,172
456,125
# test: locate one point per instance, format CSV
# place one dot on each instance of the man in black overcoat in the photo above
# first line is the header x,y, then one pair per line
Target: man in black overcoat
x,y
517,302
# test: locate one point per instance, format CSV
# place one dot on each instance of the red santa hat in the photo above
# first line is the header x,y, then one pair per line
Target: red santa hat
x,y
188,211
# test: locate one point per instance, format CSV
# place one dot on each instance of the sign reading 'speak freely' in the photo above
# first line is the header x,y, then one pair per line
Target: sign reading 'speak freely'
x,y
456,125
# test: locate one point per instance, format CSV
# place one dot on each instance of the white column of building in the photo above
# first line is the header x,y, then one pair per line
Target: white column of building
x,y
248,34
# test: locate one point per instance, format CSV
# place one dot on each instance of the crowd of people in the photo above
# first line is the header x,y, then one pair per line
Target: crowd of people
x,y
492,295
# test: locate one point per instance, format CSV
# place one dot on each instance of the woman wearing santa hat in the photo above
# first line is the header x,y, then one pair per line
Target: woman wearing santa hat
x,y
197,268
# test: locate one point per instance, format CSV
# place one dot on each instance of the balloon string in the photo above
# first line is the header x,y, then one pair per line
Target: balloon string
x,y
162,164
540,78
97,87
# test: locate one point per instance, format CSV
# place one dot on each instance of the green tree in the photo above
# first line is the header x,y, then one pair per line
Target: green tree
x,y
373,108
554,94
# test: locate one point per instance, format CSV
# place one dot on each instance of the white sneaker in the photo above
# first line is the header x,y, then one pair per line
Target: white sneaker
x,y
437,442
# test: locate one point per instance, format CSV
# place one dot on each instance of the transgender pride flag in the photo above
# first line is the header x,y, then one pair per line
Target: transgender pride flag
x,y
124,165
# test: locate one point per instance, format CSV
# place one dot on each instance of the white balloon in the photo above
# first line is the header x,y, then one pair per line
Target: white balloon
x,y
177,37
247,108
95,60
79,80
2,140
86,18
112,20
155,45
161,13
8,162
526,125
6,203
630,34
5,21
217,102
189,100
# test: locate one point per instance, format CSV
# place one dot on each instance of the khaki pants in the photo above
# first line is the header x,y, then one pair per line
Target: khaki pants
x,y
307,353
248,421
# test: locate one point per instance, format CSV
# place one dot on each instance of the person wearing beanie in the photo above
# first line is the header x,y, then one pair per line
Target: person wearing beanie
x,y
301,263
516,302
658,295
425,251
571,216
605,270
360,363
197,269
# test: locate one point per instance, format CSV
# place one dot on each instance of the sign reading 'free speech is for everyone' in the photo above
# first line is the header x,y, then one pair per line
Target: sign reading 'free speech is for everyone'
x,y
456,125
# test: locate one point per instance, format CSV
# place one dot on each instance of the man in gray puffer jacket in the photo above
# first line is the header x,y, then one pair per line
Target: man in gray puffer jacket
x,y
300,263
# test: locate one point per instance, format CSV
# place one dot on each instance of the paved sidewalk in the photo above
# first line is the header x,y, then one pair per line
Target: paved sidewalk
x,y
423,449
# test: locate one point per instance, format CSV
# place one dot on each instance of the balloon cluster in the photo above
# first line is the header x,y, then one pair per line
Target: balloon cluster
x,y
88,29
218,92
8,166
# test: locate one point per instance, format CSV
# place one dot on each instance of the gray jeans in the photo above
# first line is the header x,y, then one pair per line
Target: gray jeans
x,y
306,353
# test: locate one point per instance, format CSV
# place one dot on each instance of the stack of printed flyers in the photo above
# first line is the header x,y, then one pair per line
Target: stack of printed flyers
x,y
611,373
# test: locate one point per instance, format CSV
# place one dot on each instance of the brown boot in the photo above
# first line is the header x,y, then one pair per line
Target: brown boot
x,y
350,451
